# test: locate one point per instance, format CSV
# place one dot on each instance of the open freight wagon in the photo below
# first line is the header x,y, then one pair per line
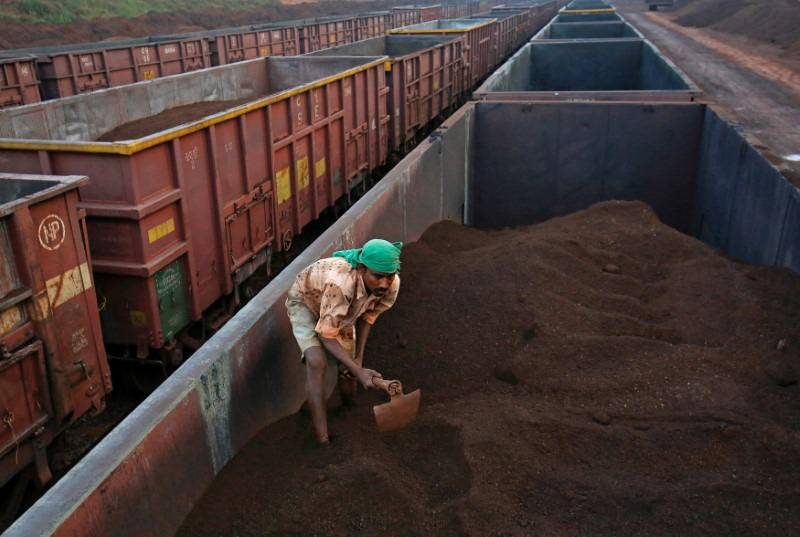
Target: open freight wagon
x,y
53,367
19,83
424,76
480,43
240,159
588,30
492,165
588,70
75,69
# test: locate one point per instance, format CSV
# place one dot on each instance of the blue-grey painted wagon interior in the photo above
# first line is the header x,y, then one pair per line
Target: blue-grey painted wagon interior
x,y
591,65
536,161
83,118
446,24
513,164
587,30
389,45
587,17
14,189
589,4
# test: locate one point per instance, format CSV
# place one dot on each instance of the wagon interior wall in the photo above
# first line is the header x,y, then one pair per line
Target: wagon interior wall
x,y
389,45
587,30
587,17
586,65
535,162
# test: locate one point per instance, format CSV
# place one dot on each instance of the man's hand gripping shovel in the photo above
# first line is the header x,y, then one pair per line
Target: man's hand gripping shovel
x,y
400,411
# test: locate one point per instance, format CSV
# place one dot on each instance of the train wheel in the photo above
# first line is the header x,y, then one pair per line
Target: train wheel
x,y
286,240
145,377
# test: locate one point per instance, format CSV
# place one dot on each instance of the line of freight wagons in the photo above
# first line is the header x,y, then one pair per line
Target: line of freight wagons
x,y
35,74
172,222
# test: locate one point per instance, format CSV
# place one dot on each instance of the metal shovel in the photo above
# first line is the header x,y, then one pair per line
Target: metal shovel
x,y
400,411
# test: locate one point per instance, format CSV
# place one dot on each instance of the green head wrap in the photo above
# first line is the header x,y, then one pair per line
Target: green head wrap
x,y
376,254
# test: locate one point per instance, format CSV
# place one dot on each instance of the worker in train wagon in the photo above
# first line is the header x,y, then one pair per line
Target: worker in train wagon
x,y
332,306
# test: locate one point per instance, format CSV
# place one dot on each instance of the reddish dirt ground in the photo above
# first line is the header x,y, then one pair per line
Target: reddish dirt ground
x,y
745,56
597,374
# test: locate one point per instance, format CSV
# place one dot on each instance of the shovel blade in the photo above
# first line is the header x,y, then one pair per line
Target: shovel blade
x,y
397,413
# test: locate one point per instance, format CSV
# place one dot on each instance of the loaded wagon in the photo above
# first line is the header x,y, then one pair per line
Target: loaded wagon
x,y
492,165
234,161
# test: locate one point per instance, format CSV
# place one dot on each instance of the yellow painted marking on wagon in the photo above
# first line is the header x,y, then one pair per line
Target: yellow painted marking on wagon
x,y
68,285
319,168
442,30
86,276
263,51
129,148
302,173
40,307
9,319
149,74
284,185
161,230
603,10
138,319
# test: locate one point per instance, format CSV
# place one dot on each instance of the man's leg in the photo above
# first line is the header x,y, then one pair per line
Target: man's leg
x,y
348,384
315,376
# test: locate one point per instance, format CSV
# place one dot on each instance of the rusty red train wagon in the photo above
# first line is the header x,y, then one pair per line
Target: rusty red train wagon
x,y
75,69
541,12
375,24
513,29
180,215
19,83
480,43
424,13
424,76
325,32
403,17
454,11
231,45
53,367
472,7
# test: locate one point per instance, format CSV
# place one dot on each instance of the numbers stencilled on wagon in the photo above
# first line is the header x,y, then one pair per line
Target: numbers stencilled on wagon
x,y
191,157
299,104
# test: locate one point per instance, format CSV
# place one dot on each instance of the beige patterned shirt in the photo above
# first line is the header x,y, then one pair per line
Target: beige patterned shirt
x,y
334,290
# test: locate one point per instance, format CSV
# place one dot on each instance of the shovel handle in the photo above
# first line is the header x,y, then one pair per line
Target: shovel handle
x,y
392,387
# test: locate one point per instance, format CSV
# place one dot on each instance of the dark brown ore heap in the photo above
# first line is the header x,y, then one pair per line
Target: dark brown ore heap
x,y
598,374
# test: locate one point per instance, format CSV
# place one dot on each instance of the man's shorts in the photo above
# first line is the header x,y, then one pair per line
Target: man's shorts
x,y
303,324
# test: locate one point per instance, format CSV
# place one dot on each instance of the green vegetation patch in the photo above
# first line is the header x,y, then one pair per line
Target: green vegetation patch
x,y
70,10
